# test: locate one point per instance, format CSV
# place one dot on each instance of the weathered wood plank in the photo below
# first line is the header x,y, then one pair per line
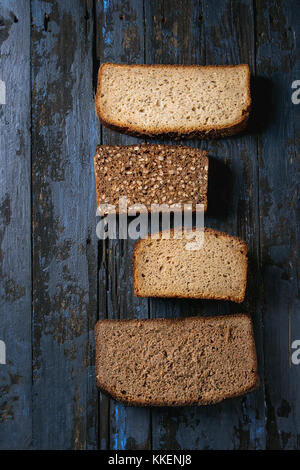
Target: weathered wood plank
x,y
120,38
278,65
230,39
15,227
64,136
214,33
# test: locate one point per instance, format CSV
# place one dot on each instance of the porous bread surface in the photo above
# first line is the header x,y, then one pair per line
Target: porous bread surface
x,y
166,268
176,361
151,174
172,99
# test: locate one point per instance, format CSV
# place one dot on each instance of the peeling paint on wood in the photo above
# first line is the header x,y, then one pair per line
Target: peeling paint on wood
x,y
65,133
278,30
15,230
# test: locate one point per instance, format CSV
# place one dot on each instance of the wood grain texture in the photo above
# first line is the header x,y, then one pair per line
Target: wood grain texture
x,y
278,33
65,134
15,227
120,25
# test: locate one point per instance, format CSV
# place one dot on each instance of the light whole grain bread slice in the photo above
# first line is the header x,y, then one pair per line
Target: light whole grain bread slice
x,y
168,268
151,174
176,362
178,100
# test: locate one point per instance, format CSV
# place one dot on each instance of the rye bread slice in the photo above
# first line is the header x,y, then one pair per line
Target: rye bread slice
x,y
166,268
178,100
176,362
151,174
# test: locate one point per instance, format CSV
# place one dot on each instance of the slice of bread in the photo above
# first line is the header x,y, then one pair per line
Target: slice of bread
x,y
178,100
172,268
176,362
151,174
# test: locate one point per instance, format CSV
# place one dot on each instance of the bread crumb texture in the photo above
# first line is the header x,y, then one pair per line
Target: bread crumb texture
x,y
217,270
177,361
162,99
151,174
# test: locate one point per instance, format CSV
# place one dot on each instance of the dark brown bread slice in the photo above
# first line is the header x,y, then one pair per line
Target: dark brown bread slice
x,y
166,268
177,100
176,362
151,174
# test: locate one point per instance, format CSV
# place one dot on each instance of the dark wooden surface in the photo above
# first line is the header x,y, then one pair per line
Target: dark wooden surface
x,y
57,278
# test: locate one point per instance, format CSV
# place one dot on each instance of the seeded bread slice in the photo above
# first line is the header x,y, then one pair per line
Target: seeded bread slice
x,y
178,100
151,174
173,268
176,362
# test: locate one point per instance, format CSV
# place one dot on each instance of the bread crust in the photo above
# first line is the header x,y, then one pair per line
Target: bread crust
x,y
208,297
204,153
200,132
140,403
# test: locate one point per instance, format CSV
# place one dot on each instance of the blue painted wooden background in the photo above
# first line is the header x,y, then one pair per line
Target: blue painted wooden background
x,y
57,279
